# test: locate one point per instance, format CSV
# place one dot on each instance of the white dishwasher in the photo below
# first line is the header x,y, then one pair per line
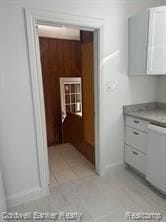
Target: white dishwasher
x,y
156,157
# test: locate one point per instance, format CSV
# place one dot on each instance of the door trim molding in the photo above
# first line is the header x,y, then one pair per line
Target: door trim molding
x,y
36,16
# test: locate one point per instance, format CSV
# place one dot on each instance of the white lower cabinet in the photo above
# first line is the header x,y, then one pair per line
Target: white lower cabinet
x,y
136,139
145,150
135,159
136,143
156,157
136,123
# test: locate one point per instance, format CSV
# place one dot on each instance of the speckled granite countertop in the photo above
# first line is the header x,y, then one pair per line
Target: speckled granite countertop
x,y
153,112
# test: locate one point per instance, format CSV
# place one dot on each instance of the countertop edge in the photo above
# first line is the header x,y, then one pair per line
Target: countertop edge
x,y
146,119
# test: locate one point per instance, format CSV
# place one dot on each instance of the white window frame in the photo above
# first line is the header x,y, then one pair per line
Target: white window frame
x,y
70,80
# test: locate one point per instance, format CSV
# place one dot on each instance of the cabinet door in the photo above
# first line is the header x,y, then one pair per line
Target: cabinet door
x,y
156,155
138,26
156,49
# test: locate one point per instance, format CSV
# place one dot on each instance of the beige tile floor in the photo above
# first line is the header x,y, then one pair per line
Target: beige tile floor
x,y
67,164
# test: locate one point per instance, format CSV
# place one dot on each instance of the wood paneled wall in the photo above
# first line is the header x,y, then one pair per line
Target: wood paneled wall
x,y
80,131
88,92
86,37
66,58
59,58
88,95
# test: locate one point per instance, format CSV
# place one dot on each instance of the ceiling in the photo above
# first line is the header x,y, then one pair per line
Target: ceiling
x,y
58,32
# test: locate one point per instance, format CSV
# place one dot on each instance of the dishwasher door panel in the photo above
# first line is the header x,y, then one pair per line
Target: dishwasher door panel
x,y
156,157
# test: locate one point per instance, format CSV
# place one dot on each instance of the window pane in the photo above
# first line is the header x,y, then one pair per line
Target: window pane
x,y
73,98
67,88
67,99
73,108
72,88
78,98
77,88
78,107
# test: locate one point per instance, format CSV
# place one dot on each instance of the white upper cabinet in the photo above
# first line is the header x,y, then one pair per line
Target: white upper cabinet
x,y
147,43
137,44
156,50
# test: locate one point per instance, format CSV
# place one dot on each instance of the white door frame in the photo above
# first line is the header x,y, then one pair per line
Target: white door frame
x,y
33,17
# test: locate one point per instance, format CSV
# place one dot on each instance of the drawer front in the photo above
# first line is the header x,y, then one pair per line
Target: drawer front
x,y
135,159
136,139
137,123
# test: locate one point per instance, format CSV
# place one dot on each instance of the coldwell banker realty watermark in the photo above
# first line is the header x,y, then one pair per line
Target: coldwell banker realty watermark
x,y
45,216
74,216
130,216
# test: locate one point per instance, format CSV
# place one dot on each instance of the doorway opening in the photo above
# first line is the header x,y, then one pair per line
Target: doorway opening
x,y
36,17
67,65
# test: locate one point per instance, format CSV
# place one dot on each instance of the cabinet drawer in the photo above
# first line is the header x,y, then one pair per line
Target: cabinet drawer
x,y
135,159
136,123
136,139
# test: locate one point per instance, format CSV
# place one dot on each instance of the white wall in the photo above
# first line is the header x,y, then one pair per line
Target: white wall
x,y
163,2
2,196
19,144
161,89
2,192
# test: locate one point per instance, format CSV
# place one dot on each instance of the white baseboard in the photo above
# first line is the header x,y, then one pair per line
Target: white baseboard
x,y
115,167
22,197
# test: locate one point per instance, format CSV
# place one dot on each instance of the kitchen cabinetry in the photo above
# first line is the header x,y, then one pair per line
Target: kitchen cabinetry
x,y
156,51
135,158
145,150
136,143
147,42
156,154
